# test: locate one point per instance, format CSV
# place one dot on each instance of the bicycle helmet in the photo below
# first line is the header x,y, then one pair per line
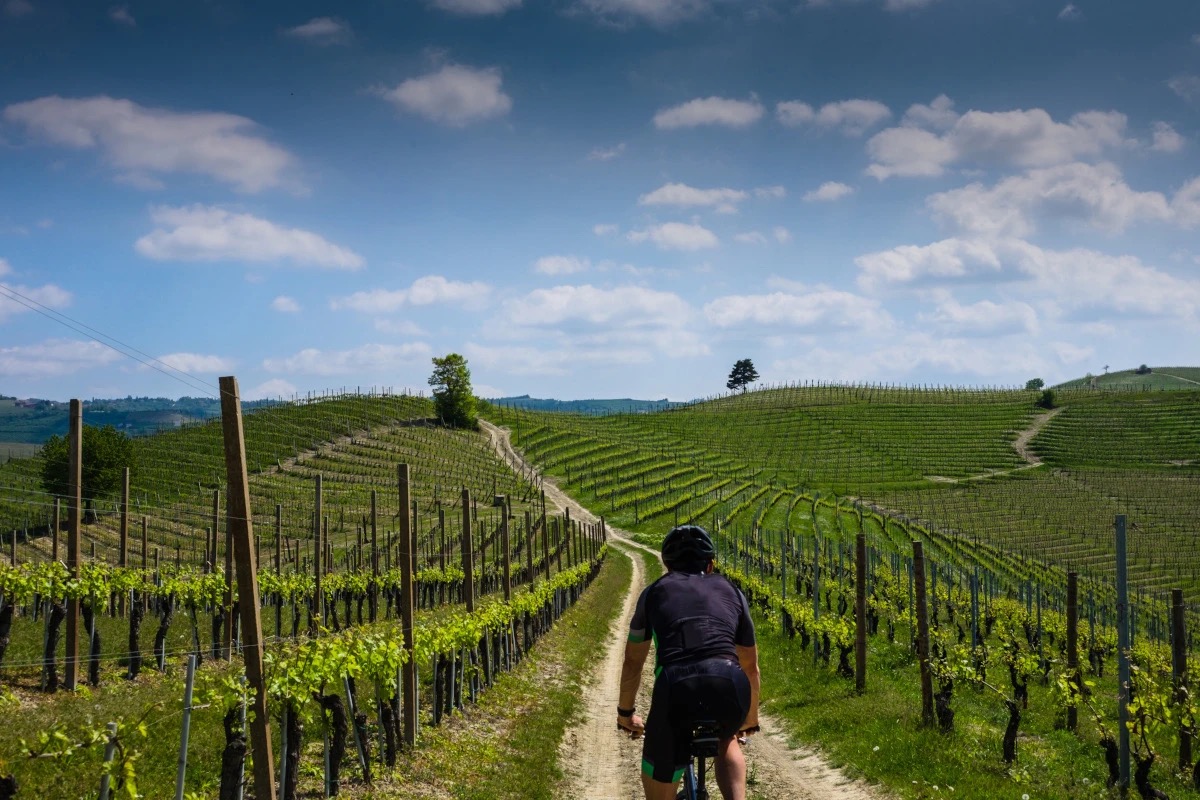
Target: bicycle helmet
x,y
687,546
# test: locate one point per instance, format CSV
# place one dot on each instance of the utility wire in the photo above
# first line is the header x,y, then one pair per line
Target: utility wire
x,y
99,337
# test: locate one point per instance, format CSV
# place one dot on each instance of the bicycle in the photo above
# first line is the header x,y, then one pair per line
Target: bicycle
x,y
704,745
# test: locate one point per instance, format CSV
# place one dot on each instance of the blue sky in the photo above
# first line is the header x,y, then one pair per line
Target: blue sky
x,y
595,198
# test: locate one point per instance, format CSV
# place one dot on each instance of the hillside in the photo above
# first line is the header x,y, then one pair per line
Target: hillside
x,y
1158,378
614,406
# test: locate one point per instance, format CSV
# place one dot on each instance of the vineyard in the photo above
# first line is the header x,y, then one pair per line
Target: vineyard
x,y
1005,497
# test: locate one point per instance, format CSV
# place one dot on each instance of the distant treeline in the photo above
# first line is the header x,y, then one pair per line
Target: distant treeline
x,y
623,405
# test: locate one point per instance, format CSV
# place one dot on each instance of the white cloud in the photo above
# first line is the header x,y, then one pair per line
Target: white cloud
x,y
323,31
476,8
1185,205
1070,13
680,194
851,117
1166,139
270,390
49,295
949,258
828,192
606,153
143,142
750,237
211,233
196,363
677,236
1067,280
1186,86
939,115
770,192
1093,194
561,265
604,229
655,12
709,111
285,304
54,357
18,8
781,234
121,16
807,307
454,95
982,318
1022,138
425,291
369,359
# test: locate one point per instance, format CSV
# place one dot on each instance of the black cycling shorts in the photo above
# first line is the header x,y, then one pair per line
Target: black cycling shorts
x,y
712,690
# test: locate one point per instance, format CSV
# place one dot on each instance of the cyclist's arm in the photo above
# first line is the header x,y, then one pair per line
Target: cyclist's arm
x,y
748,658
631,672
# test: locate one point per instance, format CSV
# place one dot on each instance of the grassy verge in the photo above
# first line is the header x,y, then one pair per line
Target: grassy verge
x,y
878,735
507,745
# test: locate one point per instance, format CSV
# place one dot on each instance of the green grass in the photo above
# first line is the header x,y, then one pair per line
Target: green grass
x,y
1158,379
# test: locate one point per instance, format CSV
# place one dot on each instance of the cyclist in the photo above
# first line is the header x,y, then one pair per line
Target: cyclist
x,y
706,667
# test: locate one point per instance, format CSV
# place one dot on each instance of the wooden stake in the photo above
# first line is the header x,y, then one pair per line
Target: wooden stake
x,y
242,528
408,698
1073,645
57,527
318,556
923,634
1179,668
507,556
860,608
468,553
74,538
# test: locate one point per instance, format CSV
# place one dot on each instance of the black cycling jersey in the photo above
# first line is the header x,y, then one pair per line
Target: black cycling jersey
x,y
692,617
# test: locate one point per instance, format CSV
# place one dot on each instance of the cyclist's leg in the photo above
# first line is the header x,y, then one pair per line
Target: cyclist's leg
x,y
664,747
731,769
657,790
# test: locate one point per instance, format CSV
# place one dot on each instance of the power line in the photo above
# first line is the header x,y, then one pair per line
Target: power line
x,y
118,346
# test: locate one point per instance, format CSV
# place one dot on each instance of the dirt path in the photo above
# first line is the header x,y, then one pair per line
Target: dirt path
x,y
1021,445
603,764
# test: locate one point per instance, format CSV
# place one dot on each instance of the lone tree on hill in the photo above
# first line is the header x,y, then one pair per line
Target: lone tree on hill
x,y
106,453
742,375
1034,384
452,397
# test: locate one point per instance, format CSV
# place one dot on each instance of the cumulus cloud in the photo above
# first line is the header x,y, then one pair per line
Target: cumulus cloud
x,y
938,115
1022,138
828,192
369,359
18,8
121,16
285,304
1070,280
605,229
982,318
654,12
1095,195
1070,13
770,192
1166,139
455,95
680,194
54,357
797,307
143,142
750,237
606,153
1186,86
561,265
851,117
322,31
781,234
194,363
429,290
211,233
677,236
476,8
270,390
709,111
50,296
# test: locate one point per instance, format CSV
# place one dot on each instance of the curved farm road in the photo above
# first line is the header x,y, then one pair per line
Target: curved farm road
x,y
1021,445
603,764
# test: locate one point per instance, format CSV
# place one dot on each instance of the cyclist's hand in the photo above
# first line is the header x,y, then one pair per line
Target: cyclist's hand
x,y
633,725
745,733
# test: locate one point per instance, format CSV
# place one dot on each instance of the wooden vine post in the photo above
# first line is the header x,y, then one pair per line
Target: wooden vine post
x,y
1179,670
74,538
374,555
241,528
318,603
57,523
528,547
923,633
860,610
227,599
506,557
468,553
408,542
123,552
1073,647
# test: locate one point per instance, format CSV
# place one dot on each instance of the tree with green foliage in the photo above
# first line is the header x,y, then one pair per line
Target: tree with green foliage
x,y
1034,384
742,375
452,397
1046,401
106,453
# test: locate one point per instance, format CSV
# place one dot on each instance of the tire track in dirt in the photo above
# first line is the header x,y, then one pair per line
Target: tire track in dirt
x,y
601,763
